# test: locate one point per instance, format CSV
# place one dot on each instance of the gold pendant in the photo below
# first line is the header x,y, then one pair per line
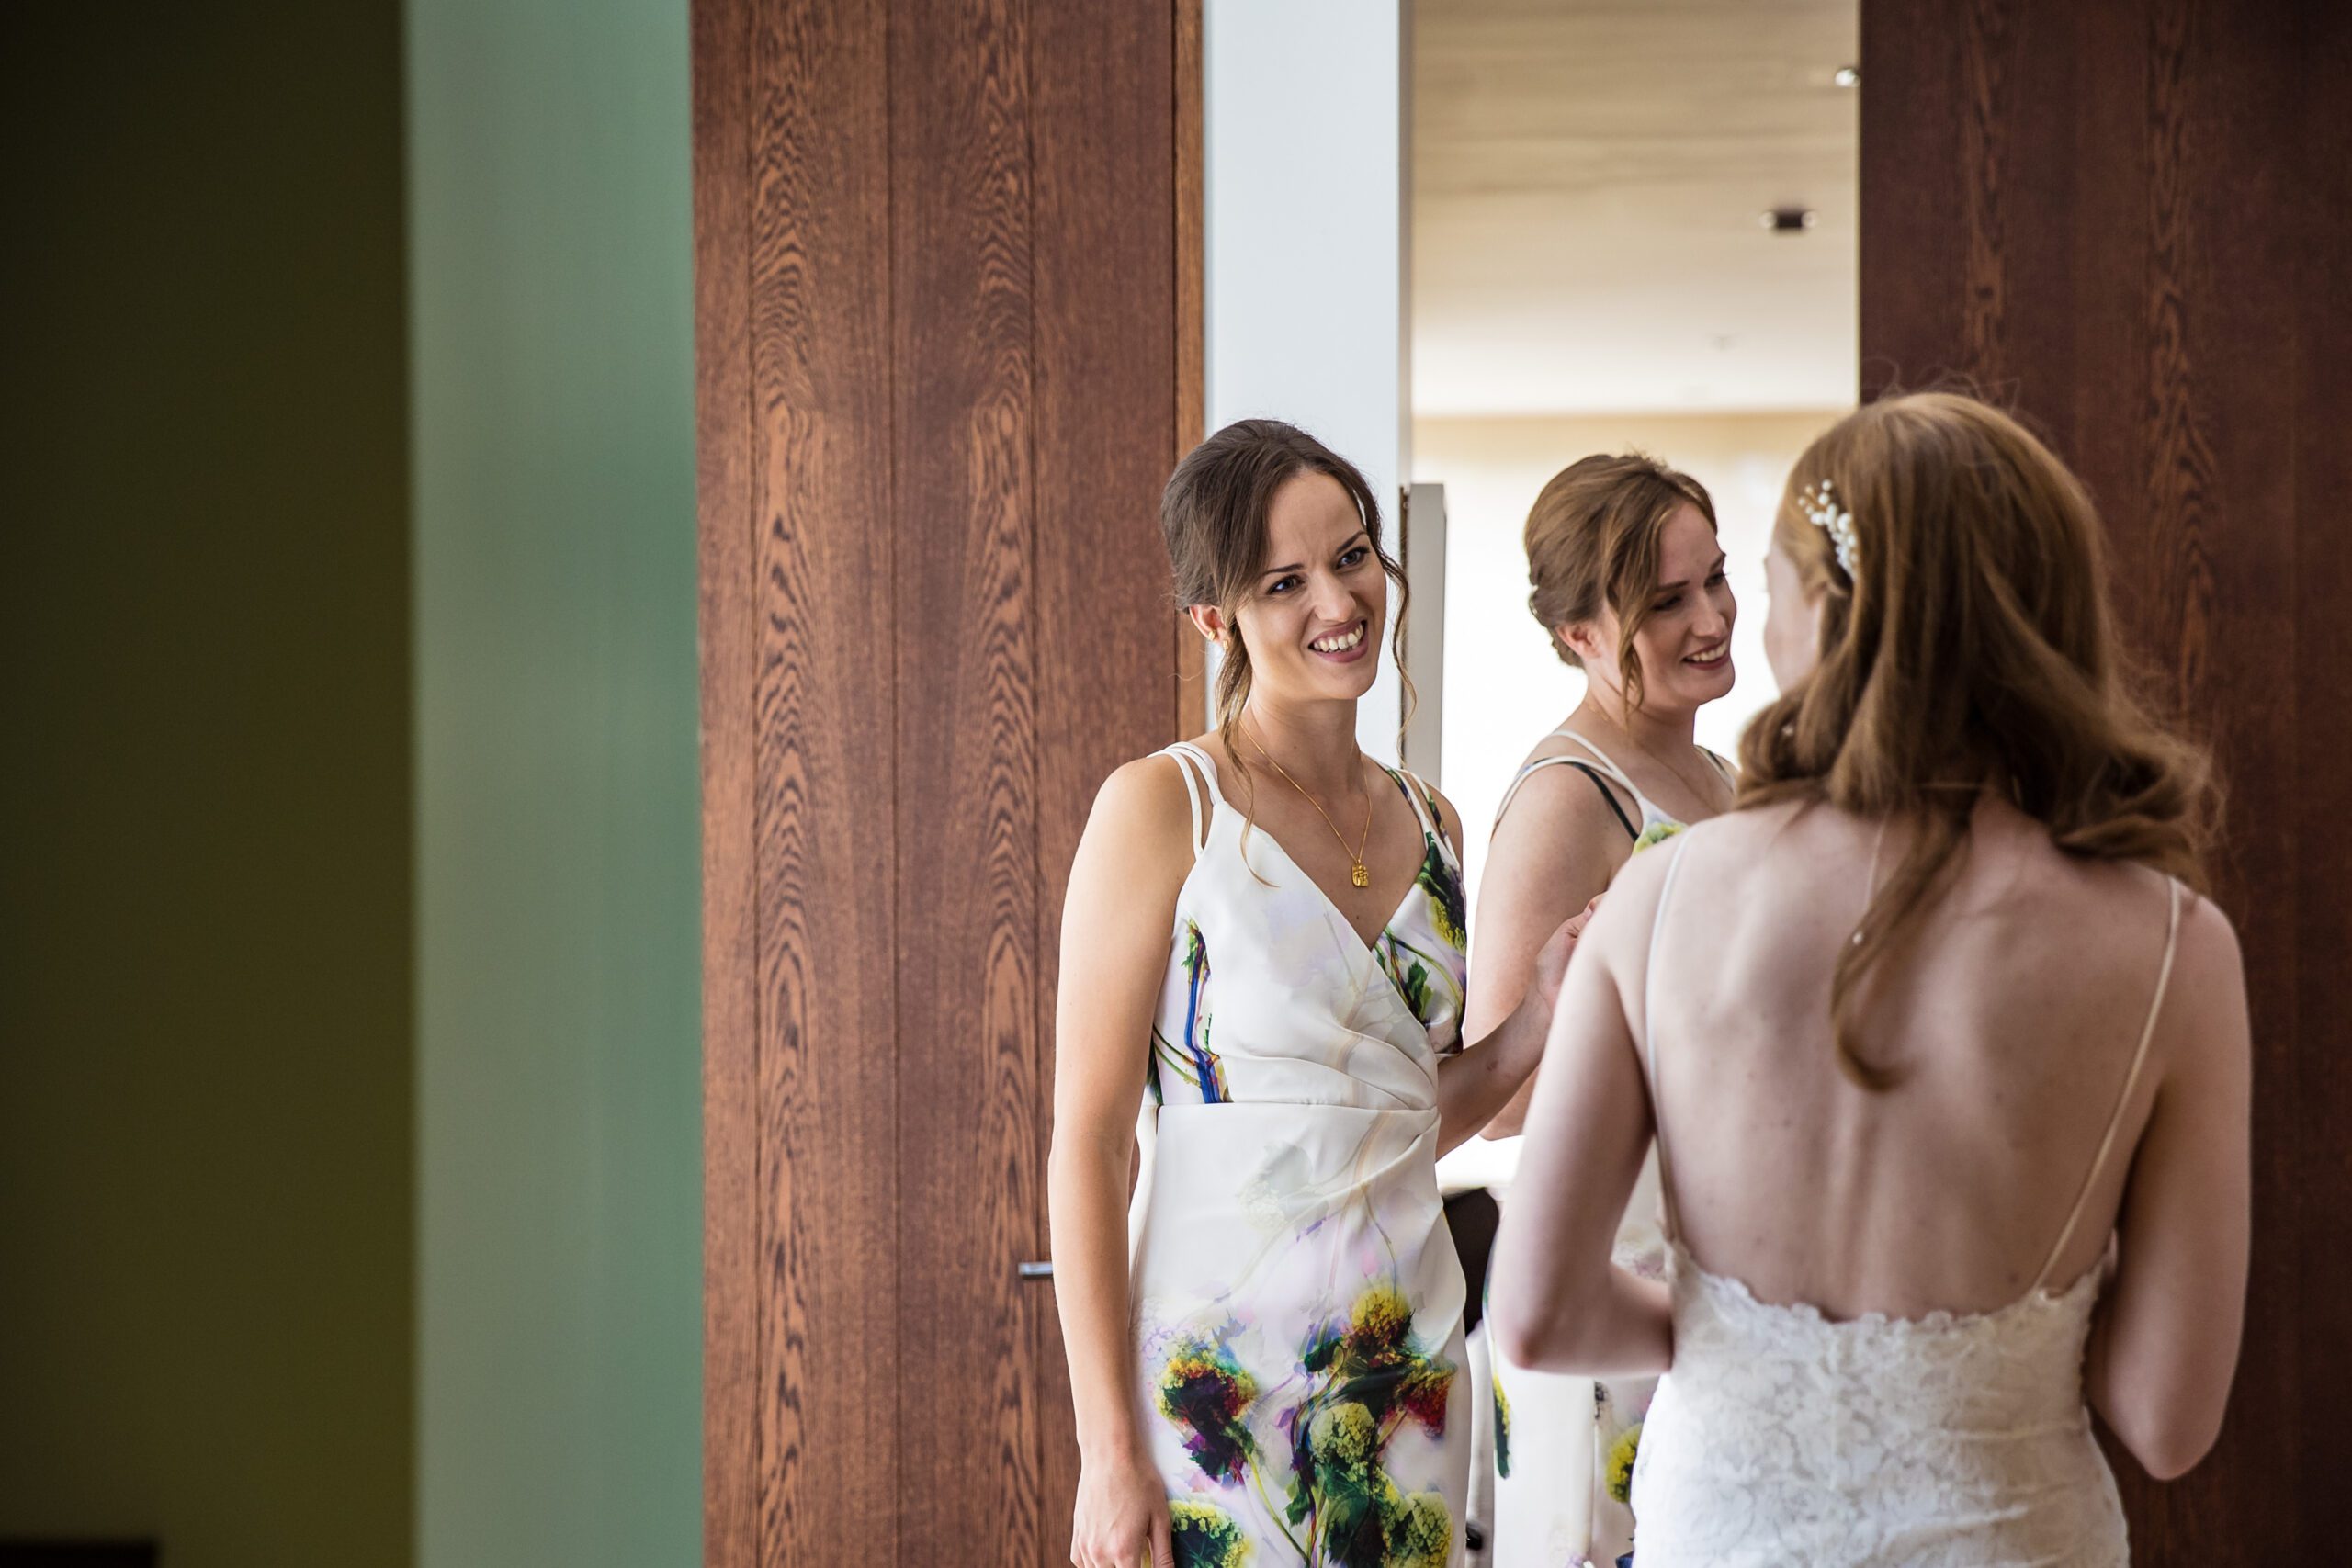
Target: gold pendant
x,y
1360,876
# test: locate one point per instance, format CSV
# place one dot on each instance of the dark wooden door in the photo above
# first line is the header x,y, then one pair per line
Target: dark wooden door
x,y
2132,219
947,319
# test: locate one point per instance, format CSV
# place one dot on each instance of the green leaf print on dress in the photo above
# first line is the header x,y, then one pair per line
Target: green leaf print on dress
x,y
1447,910
1418,975
1415,987
1374,1379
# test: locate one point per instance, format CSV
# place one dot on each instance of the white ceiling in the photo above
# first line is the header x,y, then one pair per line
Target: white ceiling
x,y
1586,179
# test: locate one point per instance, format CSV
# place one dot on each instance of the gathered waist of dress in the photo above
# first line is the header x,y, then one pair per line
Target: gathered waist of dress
x,y
1287,1159
1237,1125
1243,1179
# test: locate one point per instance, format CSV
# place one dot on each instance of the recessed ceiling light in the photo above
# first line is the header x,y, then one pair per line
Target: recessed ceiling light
x,y
1847,76
1788,219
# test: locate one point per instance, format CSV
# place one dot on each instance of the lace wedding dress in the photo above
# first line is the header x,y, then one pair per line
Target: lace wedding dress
x,y
1782,1436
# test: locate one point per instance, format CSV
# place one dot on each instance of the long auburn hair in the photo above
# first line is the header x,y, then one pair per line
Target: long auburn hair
x,y
1971,648
1592,539
1213,517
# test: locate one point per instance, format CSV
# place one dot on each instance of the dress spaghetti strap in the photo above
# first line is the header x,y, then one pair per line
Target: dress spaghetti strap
x,y
1602,772
1201,790
1608,763
1581,766
2131,1082
1420,798
1649,1035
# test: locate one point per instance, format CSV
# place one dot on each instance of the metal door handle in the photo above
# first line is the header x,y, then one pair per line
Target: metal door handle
x,y
1034,1270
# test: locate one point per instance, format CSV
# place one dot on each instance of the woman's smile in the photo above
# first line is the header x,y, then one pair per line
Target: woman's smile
x,y
1342,647
1716,656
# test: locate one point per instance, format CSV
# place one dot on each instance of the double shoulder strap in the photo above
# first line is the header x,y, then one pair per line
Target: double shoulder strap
x,y
1603,771
1201,788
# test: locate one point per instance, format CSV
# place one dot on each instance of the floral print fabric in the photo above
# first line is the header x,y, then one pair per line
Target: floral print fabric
x,y
1298,1300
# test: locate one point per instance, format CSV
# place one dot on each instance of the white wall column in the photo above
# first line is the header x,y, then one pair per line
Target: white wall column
x,y
1304,122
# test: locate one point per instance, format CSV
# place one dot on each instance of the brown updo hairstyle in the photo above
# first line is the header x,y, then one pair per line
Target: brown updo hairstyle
x,y
1212,516
1592,540
1970,648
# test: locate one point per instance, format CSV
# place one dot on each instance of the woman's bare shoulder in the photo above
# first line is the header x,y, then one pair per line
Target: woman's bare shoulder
x,y
1145,802
1744,832
2207,992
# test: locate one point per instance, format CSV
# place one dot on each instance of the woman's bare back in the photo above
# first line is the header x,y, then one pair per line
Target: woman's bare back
x,y
2014,1019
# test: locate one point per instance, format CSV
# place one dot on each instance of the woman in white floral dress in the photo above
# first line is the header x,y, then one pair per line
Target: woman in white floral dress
x,y
1627,579
1264,940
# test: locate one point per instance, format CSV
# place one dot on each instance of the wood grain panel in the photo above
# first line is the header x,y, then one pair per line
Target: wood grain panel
x,y
2216,538
1101,136
2149,255
1192,323
1912,240
973,1100
724,443
2319,781
827,1452
942,361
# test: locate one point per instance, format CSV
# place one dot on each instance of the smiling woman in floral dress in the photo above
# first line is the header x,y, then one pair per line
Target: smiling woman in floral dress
x,y
1264,941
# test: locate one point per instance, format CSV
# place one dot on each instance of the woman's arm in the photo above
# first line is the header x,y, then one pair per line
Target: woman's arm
x,y
1475,1082
1557,1301
2165,1347
1552,852
1116,924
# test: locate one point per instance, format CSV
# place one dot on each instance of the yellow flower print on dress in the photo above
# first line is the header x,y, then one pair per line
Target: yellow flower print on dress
x,y
1374,1379
1502,1426
1622,1454
1205,1536
1655,833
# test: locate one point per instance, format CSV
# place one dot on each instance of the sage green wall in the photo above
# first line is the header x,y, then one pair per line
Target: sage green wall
x,y
342,1223
550,254
205,1096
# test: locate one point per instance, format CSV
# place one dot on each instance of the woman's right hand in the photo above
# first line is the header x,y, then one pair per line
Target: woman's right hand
x,y
1552,964
1122,1518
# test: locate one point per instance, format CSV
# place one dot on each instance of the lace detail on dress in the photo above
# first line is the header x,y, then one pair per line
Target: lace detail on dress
x,y
1784,1436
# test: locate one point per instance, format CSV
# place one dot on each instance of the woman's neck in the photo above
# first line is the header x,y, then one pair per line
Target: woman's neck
x,y
1662,731
1315,742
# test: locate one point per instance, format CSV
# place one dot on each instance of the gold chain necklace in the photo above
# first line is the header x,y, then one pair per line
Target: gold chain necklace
x,y
1358,872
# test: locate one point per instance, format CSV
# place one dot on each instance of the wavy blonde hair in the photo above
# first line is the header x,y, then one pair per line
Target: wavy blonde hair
x,y
1971,648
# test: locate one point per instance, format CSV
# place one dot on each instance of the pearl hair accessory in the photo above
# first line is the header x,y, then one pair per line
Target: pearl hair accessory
x,y
1823,512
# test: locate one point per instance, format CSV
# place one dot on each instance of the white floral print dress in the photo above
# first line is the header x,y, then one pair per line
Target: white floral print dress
x,y
1297,1299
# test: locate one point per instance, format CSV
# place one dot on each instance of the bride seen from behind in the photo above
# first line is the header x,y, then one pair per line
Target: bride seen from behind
x,y
1953,1131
